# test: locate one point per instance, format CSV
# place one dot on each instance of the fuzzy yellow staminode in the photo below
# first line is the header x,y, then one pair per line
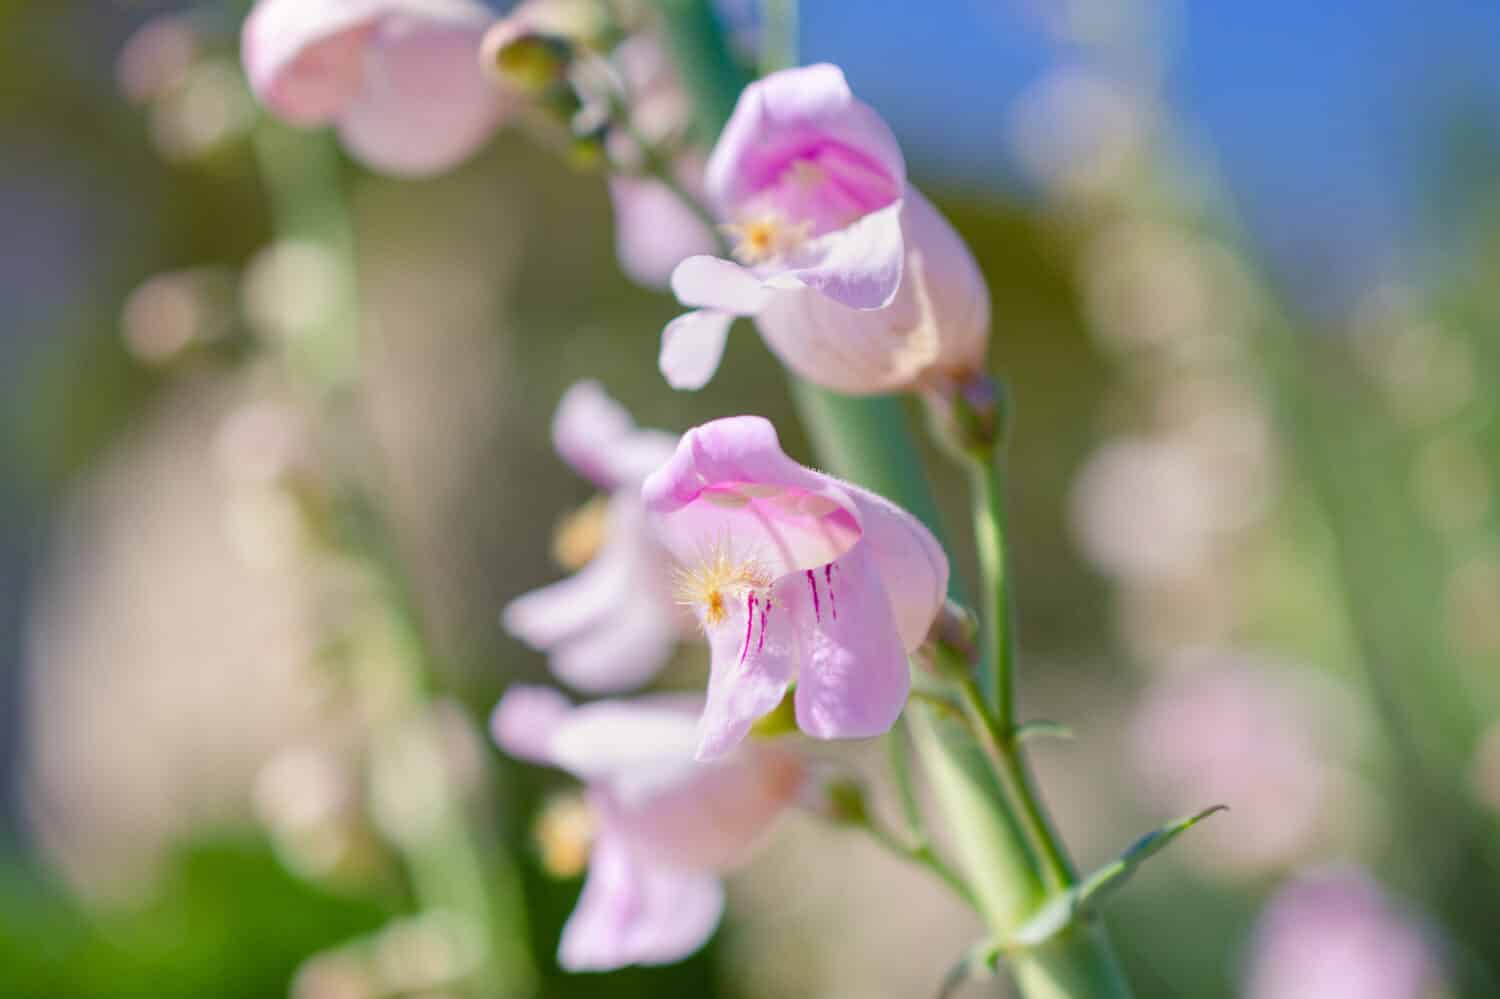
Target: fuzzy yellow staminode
x,y
765,237
580,535
716,581
565,832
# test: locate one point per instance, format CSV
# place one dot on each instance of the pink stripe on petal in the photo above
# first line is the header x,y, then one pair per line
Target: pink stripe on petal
x,y
854,677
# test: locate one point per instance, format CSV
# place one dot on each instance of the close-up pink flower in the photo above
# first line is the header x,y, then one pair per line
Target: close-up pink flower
x,y
664,826
793,575
856,281
610,626
399,79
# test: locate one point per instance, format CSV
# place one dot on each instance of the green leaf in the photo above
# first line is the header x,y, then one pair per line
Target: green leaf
x,y
1062,910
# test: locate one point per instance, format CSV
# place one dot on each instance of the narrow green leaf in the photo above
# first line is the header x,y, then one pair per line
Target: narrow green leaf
x,y
1062,910
1042,728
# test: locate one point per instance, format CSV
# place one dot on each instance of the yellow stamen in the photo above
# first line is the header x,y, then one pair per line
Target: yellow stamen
x,y
718,580
564,834
579,535
765,237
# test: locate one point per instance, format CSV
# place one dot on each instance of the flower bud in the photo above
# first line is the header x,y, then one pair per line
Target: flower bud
x,y
844,802
528,60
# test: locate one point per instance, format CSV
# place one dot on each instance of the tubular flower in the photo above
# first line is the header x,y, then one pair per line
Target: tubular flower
x,y
664,826
855,280
399,79
611,625
792,573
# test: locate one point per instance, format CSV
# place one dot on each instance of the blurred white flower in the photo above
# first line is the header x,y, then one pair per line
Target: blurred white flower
x,y
1143,509
1078,133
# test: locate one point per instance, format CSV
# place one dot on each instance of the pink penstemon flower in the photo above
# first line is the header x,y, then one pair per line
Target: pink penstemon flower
x,y
610,626
399,79
855,281
793,574
664,827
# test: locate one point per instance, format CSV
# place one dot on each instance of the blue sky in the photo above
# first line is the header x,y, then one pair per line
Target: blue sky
x,y
1320,114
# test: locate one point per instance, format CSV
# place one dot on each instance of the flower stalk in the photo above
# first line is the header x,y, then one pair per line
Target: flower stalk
x,y
1011,856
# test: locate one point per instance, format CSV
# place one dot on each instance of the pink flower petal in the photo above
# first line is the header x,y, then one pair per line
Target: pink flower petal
x,y
692,346
560,611
634,747
911,565
526,718
713,283
426,105
305,59
654,230
956,290
637,912
714,820
622,653
729,483
612,625
854,678
752,657
858,267
594,434
786,113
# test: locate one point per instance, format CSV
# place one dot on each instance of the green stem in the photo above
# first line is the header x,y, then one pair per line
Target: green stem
x,y
778,34
992,847
998,645
707,66
1004,752
447,869
996,632
1076,963
924,856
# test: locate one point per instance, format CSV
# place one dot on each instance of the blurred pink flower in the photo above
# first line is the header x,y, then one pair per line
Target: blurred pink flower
x,y
612,625
157,58
1268,742
654,230
855,280
666,826
400,79
790,571
1334,934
